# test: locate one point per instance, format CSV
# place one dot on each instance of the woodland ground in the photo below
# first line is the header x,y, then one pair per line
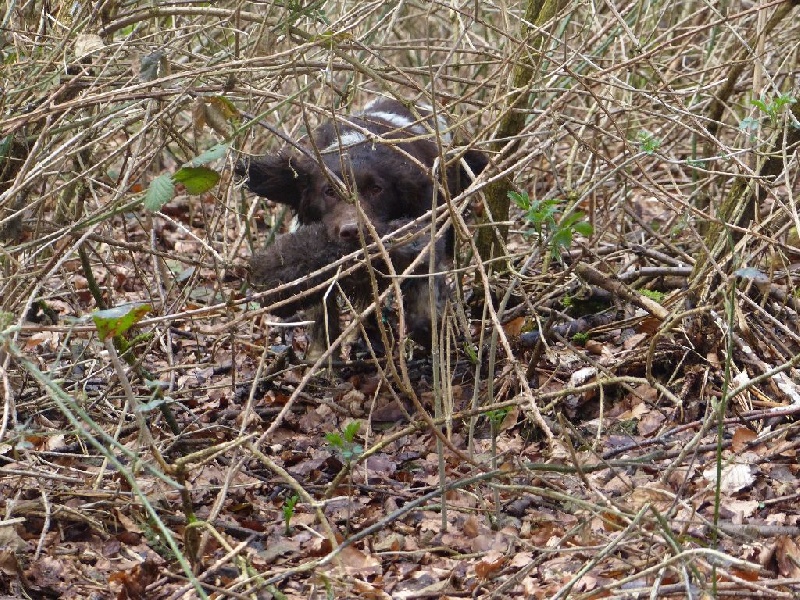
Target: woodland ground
x,y
610,411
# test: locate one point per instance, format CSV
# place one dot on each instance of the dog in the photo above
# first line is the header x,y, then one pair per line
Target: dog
x,y
377,166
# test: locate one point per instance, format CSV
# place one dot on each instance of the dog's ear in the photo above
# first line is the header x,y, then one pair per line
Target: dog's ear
x,y
458,178
476,160
276,177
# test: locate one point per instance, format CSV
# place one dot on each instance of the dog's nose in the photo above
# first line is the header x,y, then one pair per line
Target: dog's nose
x,y
349,231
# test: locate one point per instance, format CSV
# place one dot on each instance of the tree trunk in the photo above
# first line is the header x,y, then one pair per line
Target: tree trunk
x,y
491,237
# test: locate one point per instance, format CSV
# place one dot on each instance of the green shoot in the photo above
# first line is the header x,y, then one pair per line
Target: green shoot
x,y
344,443
288,512
541,216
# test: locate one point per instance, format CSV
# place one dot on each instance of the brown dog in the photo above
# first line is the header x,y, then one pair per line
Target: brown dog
x,y
377,165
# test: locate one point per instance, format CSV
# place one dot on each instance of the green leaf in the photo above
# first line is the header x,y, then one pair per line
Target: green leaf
x,y
196,180
208,156
161,191
580,338
584,228
568,221
522,200
749,124
496,416
353,452
116,321
647,142
5,146
654,295
351,430
6,318
784,100
334,439
562,239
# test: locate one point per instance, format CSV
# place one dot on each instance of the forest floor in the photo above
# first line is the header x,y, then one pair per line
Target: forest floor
x,y
610,411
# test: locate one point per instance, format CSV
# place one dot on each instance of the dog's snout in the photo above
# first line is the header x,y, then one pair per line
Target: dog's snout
x,y
348,231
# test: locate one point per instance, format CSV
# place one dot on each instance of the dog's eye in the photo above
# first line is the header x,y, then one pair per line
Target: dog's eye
x,y
376,189
330,192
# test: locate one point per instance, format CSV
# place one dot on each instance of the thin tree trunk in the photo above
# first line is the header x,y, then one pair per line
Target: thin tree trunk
x,y
491,237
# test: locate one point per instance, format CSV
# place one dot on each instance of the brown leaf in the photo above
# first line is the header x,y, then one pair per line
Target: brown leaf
x,y
47,573
594,347
134,581
128,523
198,116
358,563
471,526
215,114
741,437
368,591
651,422
9,565
787,555
633,341
746,575
514,327
649,325
490,564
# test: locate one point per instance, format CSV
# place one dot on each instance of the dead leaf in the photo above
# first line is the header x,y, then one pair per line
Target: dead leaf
x,y
9,565
594,347
389,543
56,443
365,589
635,412
471,526
649,325
88,43
521,559
634,341
11,541
276,549
430,583
653,493
358,563
218,115
128,523
741,437
490,564
787,555
735,477
651,422
514,327
133,582
741,509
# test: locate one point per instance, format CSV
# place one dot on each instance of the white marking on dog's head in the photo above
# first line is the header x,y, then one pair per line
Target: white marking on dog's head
x,y
411,125
347,139
399,121
441,123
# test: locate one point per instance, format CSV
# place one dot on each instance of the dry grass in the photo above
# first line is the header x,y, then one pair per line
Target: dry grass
x,y
670,125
